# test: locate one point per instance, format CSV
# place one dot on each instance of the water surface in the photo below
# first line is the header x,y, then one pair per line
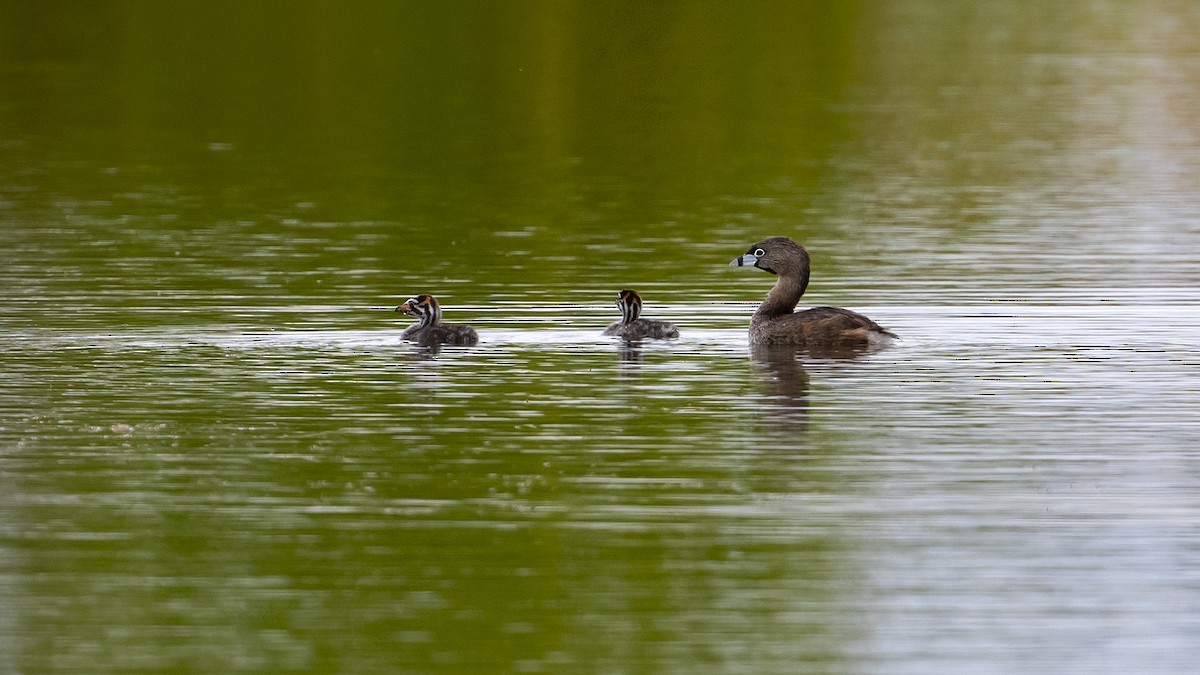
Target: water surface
x,y
216,455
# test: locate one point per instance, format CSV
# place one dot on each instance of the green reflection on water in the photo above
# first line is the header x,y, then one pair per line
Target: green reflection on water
x,y
399,138
347,509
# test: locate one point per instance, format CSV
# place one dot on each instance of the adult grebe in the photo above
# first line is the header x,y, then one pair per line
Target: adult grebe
x,y
776,322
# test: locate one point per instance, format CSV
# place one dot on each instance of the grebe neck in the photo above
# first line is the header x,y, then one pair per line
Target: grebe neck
x,y
784,295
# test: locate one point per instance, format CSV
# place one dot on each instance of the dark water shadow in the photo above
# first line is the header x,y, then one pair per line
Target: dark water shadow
x,y
785,381
629,352
422,351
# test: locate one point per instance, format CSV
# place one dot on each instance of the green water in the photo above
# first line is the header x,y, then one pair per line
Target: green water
x,y
216,456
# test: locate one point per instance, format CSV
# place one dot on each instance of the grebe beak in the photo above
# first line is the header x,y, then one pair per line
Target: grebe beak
x,y
746,260
407,308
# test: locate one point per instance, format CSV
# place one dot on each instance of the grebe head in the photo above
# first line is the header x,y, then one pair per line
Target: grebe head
x,y
424,308
777,255
631,305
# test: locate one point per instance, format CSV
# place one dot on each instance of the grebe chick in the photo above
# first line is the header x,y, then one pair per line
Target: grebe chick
x,y
631,327
429,330
776,322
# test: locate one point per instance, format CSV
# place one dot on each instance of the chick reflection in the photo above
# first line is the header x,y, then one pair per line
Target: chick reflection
x,y
423,352
629,352
785,379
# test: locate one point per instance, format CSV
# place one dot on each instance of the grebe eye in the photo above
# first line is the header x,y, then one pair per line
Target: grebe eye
x,y
758,253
